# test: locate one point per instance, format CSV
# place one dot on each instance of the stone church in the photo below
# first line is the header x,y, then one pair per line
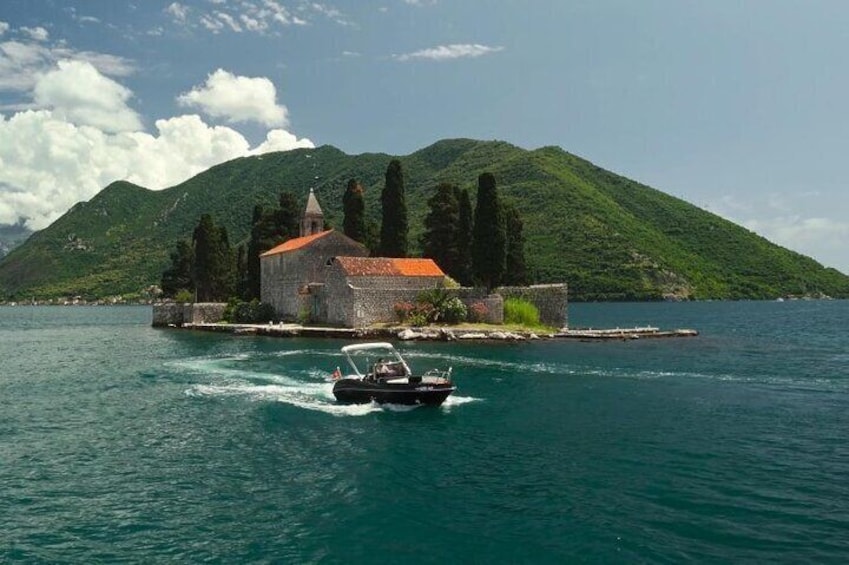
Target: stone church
x,y
325,277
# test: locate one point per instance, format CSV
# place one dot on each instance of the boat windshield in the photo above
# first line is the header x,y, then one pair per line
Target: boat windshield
x,y
379,359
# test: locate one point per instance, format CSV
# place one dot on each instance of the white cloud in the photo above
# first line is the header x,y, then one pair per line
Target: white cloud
x,y
783,220
257,16
449,52
21,64
237,99
78,93
48,164
178,11
36,33
83,136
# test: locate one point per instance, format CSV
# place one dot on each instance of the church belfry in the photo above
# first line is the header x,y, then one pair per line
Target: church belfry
x,y
312,221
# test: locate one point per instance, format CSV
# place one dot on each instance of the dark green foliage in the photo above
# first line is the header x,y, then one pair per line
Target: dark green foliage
x,y
354,207
464,238
489,240
288,217
441,236
242,280
253,312
213,265
393,228
179,275
516,272
609,237
269,229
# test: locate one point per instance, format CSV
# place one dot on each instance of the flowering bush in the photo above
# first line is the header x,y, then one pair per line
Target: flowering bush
x,y
478,312
403,310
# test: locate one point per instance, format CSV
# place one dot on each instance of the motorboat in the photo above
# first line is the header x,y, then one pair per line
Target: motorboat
x,y
381,375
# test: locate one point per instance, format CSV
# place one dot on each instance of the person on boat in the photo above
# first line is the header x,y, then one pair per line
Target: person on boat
x,y
381,369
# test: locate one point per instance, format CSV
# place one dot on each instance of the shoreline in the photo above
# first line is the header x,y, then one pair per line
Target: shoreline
x,y
404,333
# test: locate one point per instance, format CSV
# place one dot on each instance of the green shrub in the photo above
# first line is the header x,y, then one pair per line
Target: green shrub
x,y
253,312
522,312
184,295
454,311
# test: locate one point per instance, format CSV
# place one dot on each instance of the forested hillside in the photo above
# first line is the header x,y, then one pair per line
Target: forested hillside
x,y
609,237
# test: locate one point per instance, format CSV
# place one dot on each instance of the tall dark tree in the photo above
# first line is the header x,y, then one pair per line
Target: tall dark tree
x,y
354,207
256,245
393,228
489,251
464,237
242,278
288,217
440,238
269,229
213,266
516,270
178,276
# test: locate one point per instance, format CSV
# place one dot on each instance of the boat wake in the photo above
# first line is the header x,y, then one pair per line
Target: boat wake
x,y
249,377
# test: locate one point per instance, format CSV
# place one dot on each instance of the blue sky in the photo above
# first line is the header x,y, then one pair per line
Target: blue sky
x,y
737,107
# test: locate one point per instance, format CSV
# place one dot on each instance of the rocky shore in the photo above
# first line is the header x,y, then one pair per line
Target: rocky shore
x,y
437,333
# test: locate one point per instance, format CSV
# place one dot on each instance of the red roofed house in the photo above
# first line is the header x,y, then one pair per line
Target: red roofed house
x,y
326,277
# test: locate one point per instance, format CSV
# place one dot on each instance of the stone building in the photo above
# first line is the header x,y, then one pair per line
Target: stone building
x,y
325,277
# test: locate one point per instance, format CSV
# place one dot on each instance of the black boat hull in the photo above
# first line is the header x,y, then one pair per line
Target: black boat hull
x,y
355,391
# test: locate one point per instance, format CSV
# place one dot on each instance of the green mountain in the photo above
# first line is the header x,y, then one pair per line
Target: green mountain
x,y
609,237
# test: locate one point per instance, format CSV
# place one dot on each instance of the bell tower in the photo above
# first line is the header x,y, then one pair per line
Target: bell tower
x,y
312,222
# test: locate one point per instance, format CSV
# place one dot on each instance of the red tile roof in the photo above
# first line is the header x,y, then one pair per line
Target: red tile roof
x,y
296,243
388,267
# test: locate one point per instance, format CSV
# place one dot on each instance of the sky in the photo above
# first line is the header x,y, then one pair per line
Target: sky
x,y
738,107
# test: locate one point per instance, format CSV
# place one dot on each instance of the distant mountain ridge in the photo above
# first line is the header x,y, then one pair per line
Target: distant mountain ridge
x,y
11,236
607,236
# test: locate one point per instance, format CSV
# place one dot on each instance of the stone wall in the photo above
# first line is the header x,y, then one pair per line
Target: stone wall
x,y
550,300
177,314
284,277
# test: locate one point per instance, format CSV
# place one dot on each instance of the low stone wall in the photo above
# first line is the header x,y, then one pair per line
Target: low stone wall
x,y
177,314
550,299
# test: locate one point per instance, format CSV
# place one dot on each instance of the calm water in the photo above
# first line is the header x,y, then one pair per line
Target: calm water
x,y
121,443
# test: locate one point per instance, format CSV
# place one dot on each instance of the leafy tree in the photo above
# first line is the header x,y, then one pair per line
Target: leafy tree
x,y
464,237
516,272
440,238
489,253
179,276
393,228
213,261
354,223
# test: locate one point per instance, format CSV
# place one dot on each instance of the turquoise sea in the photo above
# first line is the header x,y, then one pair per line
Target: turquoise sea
x,y
123,443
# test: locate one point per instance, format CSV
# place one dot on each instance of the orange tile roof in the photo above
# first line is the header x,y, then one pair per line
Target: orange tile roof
x,y
296,243
389,267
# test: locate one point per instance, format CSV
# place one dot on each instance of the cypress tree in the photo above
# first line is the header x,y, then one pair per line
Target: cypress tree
x,y
256,246
489,237
464,238
179,276
393,228
213,261
516,272
440,239
288,218
354,207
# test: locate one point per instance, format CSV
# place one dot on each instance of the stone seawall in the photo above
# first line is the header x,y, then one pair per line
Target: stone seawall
x,y
550,299
177,314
